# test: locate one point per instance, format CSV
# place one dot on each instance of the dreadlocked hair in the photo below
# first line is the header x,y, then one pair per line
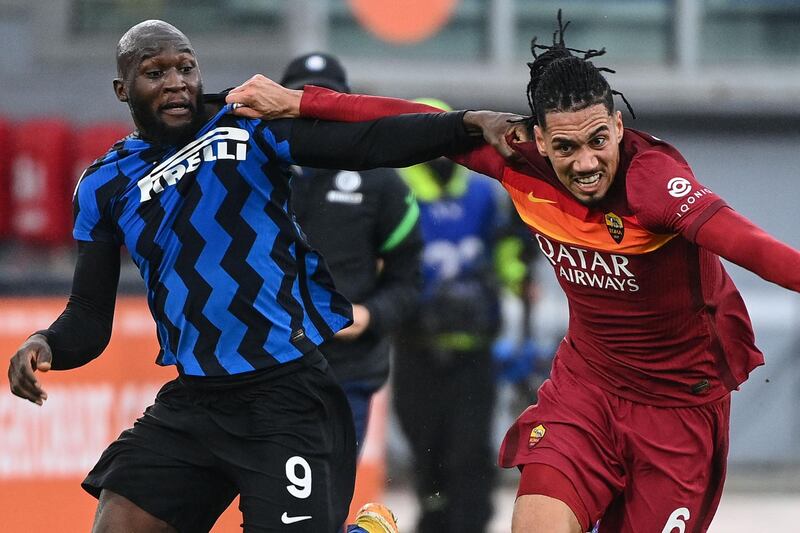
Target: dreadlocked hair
x,y
563,81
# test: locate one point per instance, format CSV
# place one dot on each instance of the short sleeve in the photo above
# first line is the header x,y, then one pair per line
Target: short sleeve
x,y
665,195
90,212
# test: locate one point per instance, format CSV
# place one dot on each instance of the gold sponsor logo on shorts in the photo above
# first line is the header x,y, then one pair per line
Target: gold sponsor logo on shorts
x,y
536,435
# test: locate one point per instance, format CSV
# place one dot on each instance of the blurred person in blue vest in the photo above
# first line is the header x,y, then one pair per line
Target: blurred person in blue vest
x,y
366,225
444,386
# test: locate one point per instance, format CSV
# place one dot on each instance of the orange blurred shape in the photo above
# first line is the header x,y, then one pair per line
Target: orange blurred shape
x,y
406,22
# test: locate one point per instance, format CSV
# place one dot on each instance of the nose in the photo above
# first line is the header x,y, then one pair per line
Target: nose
x,y
585,161
173,80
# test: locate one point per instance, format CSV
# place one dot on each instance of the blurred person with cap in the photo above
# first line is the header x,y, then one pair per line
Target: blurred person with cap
x,y
366,226
316,68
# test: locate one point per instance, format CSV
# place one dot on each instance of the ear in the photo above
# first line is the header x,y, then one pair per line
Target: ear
x,y
619,126
120,90
538,135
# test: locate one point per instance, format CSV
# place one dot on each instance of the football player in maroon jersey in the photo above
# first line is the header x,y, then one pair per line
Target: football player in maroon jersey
x,y
632,427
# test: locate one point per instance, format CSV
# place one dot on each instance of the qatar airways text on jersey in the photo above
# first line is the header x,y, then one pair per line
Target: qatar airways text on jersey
x,y
589,268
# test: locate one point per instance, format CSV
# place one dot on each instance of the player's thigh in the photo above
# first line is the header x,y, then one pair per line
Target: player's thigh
x,y
567,447
117,513
187,497
535,513
675,480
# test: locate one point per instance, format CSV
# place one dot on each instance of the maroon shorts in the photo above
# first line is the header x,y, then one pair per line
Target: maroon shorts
x,y
634,467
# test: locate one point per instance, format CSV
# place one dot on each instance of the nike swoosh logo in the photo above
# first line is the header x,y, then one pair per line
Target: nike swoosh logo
x,y
536,200
286,519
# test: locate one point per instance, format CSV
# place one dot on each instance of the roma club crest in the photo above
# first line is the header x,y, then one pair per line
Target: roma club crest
x,y
536,435
615,227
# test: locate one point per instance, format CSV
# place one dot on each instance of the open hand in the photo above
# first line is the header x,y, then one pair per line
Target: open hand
x,y
260,97
33,355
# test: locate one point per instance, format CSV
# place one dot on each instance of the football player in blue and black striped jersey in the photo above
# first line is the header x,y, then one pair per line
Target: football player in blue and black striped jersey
x,y
239,298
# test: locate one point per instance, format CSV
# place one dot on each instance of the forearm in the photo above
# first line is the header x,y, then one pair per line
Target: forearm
x,y
732,236
83,330
325,104
396,141
78,335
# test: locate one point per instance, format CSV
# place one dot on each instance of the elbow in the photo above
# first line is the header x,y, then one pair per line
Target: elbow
x,y
67,358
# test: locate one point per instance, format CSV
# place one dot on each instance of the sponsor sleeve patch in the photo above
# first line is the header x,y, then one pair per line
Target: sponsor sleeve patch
x,y
665,194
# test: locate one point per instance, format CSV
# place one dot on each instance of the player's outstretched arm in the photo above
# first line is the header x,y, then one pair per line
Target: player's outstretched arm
x,y
325,104
396,141
81,332
734,237
263,98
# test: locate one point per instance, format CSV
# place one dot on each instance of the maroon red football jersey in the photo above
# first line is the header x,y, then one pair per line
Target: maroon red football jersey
x,y
653,317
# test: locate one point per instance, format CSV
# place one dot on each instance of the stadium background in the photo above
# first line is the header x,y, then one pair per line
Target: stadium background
x,y
719,79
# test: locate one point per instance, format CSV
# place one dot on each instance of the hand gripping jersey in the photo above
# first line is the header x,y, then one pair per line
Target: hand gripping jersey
x,y
654,318
231,282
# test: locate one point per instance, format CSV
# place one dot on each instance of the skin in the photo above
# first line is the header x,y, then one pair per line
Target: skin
x,y
160,80
34,355
117,513
583,147
361,318
534,513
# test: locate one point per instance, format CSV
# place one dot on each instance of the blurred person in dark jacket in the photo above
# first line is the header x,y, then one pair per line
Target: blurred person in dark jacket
x,y
366,226
444,383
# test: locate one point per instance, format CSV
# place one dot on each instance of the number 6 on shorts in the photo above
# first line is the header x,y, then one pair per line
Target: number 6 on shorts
x,y
677,520
301,485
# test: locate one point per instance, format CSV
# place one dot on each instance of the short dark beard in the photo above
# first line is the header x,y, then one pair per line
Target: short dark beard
x,y
153,129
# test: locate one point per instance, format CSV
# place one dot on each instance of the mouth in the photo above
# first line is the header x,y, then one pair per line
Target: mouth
x,y
588,184
178,108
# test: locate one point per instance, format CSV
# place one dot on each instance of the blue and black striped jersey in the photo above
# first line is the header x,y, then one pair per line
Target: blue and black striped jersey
x,y
231,281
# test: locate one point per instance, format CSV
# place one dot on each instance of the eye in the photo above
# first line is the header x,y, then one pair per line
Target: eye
x,y
599,142
563,148
153,74
186,69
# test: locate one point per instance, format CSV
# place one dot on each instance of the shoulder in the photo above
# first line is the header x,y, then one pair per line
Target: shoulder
x,y
654,166
663,191
641,148
106,168
272,130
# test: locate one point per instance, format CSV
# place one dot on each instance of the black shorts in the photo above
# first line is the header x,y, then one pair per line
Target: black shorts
x,y
284,440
